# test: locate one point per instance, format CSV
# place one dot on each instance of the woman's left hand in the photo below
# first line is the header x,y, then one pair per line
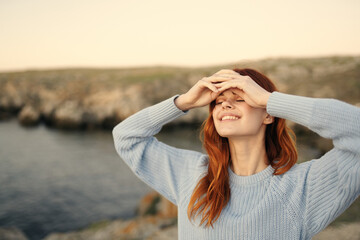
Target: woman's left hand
x,y
245,87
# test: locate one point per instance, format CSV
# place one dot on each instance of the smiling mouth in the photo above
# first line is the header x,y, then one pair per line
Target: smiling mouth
x,y
229,118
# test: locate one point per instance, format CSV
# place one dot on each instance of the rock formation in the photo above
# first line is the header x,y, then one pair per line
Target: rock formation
x,y
100,98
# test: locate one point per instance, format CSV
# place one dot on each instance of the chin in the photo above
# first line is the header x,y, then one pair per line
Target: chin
x,y
227,134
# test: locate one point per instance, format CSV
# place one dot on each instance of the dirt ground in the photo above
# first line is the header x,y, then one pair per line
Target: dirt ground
x,y
350,231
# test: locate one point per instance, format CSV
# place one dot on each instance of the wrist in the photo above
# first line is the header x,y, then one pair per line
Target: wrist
x,y
266,98
181,103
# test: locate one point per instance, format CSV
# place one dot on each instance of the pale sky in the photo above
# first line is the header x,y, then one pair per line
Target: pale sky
x,y
117,33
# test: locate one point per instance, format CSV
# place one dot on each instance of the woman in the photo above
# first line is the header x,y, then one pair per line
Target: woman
x,y
248,185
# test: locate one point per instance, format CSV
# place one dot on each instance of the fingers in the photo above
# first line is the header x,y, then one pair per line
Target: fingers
x,y
229,84
238,81
209,85
217,79
217,82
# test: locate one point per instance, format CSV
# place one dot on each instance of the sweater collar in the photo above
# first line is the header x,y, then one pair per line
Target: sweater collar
x,y
247,180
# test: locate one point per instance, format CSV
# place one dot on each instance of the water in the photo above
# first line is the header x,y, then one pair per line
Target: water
x,y
56,181
52,180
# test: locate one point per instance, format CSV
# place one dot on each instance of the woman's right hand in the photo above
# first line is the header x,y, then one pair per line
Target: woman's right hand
x,y
202,93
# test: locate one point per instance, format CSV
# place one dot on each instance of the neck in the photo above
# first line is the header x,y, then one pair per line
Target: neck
x,y
248,155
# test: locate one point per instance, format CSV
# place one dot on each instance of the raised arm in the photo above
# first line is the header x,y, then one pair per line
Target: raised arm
x,y
333,181
162,167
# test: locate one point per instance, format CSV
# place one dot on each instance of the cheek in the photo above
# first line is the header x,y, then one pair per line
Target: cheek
x,y
257,116
214,113
215,120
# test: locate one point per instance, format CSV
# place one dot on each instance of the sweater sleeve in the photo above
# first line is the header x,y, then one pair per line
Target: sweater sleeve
x,y
162,167
333,181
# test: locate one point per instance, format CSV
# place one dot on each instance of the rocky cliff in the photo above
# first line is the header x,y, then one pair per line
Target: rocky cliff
x,y
100,98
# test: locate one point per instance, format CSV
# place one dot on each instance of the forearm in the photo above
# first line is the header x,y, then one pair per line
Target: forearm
x,y
329,118
147,121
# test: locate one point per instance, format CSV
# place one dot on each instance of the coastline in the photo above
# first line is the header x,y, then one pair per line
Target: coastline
x,y
100,98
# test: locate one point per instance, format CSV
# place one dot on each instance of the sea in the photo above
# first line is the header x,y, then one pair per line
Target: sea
x,y
58,181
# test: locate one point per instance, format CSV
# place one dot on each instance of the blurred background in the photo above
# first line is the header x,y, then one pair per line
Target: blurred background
x,y
71,70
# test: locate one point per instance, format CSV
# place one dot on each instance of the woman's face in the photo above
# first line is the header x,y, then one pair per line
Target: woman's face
x,y
233,117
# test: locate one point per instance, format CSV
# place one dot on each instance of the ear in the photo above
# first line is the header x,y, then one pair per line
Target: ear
x,y
268,119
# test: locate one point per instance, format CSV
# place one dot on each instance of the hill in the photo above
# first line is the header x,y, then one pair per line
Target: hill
x,y
100,98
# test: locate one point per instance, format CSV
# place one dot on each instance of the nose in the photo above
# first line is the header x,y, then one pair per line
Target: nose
x,y
226,104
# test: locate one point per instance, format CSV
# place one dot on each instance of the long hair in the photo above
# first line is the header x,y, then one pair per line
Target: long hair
x,y
212,192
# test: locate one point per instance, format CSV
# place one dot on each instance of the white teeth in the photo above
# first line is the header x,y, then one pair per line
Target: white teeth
x,y
229,118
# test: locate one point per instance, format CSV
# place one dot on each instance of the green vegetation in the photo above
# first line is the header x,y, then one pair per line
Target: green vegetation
x,y
98,225
307,76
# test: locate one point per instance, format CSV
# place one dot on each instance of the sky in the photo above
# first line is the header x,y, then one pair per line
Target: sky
x,y
41,34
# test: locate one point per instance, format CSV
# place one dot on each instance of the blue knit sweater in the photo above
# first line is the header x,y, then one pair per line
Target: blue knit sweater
x,y
294,205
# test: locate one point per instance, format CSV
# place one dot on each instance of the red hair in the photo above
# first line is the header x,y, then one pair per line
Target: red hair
x,y
212,192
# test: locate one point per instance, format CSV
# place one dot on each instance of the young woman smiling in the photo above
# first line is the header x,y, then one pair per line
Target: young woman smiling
x,y
248,185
